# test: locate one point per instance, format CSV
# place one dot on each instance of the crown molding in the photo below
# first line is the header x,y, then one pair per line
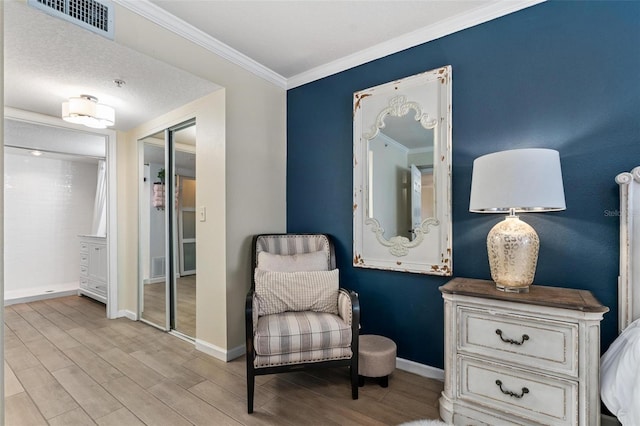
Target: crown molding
x,y
423,35
457,23
172,23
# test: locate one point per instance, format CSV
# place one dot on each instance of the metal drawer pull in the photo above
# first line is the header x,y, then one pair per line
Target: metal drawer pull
x,y
511,341
508,392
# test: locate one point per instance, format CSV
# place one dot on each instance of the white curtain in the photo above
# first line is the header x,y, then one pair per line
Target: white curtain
x,y
99,224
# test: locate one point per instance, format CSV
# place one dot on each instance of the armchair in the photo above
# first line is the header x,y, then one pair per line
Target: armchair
x,y
296,315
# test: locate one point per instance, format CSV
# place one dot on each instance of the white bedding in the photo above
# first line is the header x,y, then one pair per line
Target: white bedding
x,y
620,376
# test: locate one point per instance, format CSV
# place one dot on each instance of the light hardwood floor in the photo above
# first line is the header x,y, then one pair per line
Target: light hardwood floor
x,y
66,364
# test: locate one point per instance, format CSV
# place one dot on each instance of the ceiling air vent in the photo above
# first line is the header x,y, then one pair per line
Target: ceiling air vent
x,y
96,16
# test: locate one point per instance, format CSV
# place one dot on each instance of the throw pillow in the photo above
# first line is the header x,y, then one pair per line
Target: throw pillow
x,y
279,292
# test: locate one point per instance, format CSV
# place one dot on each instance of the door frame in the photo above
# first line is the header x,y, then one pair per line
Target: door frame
x,y
112,206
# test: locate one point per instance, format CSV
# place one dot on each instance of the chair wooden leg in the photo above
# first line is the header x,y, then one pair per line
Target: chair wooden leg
x,y
250,390
354,380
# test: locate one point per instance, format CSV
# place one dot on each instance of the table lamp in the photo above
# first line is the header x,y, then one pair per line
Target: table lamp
x,y
513,181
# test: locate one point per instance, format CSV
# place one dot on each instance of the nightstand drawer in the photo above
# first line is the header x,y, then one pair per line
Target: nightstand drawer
x,y
537,397
533,342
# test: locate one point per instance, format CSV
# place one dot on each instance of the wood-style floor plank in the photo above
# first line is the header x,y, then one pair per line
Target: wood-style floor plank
x,y
92,397
143,404
75,417
20,410
12,385
119,418
66,364
190,406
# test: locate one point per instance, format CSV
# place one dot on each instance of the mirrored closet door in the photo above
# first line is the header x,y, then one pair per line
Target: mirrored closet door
x,y
167,220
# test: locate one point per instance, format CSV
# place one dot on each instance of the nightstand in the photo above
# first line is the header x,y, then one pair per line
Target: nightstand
x,y
524,359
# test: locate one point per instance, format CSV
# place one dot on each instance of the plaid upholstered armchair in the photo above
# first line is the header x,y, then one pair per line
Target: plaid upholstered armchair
x,y
296,315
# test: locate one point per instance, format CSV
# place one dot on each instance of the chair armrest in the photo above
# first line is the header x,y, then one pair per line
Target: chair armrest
x,y
349,311
348,306
251,318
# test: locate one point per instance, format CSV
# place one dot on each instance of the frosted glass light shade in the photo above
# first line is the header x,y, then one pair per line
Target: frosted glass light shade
x,y
519,180
87,111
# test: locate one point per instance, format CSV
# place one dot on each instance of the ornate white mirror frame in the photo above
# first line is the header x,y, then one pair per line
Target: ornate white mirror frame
x,y
402,175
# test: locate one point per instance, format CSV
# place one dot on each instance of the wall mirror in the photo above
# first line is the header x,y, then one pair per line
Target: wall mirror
x,y
402,175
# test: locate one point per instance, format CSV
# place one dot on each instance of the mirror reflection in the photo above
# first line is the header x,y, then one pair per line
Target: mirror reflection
x,y
401,192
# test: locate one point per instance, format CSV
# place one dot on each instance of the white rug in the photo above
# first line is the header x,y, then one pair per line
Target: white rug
x,y
425,423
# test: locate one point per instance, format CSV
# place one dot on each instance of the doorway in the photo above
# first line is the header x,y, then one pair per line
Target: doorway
x,y
168,270
60,185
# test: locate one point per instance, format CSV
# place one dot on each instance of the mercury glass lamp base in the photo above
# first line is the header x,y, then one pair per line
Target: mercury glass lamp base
x,y
512,246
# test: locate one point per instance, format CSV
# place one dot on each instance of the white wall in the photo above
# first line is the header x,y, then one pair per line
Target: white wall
x,y
48,203
241,174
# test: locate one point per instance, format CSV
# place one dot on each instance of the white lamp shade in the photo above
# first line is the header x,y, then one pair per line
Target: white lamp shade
x,y
526,180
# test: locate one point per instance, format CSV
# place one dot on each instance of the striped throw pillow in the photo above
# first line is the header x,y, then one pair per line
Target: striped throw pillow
x,y
314,261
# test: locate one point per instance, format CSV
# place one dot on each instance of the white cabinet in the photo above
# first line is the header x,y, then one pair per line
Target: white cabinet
x,y
520,359
93,267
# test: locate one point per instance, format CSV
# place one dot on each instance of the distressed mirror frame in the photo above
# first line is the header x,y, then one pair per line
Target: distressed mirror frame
x,y
427,96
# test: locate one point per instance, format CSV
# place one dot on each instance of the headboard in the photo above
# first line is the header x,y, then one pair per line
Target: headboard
x,y
629,279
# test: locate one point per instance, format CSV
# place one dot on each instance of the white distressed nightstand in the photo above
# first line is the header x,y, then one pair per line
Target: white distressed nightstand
x,y
520,359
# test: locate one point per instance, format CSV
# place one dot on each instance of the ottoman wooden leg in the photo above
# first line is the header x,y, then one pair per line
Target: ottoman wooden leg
x,y
384,381
360,381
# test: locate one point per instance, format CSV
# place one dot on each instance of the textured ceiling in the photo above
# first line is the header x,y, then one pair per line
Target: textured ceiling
x,y
48,60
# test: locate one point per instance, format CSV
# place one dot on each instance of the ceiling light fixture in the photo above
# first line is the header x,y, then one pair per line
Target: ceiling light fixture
x,y
86,110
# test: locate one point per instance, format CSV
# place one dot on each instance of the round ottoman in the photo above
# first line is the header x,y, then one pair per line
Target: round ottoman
x,y
377,358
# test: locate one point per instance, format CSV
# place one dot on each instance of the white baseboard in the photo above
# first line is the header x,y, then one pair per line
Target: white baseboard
x,y
420,369
218,352
15,297
127,314
401,364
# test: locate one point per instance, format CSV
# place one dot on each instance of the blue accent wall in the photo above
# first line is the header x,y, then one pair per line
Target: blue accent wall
x,y
563,75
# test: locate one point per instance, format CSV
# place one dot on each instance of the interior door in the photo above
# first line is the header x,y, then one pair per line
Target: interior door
x,y
168,230
153,233
184,290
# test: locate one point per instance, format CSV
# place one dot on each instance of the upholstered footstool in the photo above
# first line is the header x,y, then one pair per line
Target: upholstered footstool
x,y
377,358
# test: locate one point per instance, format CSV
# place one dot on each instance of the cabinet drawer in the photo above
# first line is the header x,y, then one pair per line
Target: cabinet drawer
x,y
84,283
84,246
99,288
84,270
93,286
539,398
532,342
84,258
459,419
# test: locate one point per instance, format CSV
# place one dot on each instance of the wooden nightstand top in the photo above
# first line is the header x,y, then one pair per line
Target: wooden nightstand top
x,y
556,297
